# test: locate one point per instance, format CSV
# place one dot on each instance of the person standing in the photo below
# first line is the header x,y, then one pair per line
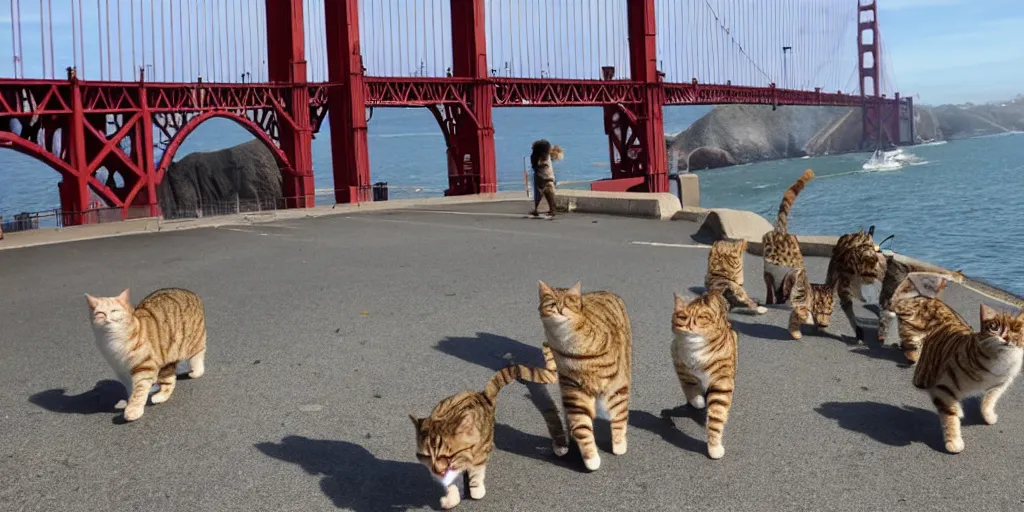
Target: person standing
x,y
542,156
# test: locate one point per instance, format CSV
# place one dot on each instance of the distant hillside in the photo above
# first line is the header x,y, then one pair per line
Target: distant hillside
x,y
738,134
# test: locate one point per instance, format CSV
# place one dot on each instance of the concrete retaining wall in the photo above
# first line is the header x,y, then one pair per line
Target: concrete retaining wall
x,y
631,204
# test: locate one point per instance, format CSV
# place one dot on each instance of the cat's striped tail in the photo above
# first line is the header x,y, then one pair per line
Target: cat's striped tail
x,y
789,198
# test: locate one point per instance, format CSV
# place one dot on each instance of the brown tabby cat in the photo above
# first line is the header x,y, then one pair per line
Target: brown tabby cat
x,y
592,341
704,352
143,344
915,303
725,274
782,249
542,157
458,436
856,262
957,362
812,303
895,273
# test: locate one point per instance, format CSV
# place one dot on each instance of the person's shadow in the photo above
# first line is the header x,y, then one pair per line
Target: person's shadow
x,y
101,398
354,478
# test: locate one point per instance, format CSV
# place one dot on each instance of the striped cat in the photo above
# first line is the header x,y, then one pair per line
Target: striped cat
x,y
592,341
915,304
458,436
704,352
896,272
143,344
782,249
856,262
812,303
725,274
957,362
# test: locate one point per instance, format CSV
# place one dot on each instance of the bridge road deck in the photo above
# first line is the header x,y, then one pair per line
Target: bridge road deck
x,y
325,333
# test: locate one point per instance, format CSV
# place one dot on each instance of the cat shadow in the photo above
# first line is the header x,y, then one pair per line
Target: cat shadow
x,y
100,399
664,426
763,331
354,479
512,440
888,424
490,350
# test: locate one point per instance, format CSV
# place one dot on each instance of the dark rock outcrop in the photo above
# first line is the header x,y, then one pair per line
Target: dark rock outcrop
x,y
245,177
708,158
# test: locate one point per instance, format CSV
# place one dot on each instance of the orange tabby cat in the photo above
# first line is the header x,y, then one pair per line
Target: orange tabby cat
x,y
781,248
916,306
458,436
704,352
725,275
592,341
856,263
957,362
812,303
144,343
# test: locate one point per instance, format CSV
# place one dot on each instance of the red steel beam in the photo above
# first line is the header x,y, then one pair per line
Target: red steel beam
x,y
643,68
349,150
286,62
476,168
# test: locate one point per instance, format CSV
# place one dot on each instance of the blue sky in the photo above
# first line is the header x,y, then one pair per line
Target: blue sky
x,y
938,50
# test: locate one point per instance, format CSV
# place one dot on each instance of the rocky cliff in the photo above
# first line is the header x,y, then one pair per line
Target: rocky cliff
x,y
738,134
245,177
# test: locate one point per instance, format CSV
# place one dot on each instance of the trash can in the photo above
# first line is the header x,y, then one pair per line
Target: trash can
x,y
380,191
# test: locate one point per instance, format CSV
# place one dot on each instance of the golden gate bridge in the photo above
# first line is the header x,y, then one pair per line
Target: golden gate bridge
x,y
105,88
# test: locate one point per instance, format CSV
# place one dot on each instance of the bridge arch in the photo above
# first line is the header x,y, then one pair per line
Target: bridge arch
x,y
13,141
254,129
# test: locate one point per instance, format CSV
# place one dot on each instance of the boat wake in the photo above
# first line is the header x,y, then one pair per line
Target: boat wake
x,y
894,160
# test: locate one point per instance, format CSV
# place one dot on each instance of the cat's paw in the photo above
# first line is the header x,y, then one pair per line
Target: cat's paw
x,y
160,397
955,446
195,374
619,448
697,402
121,404
796,334
760,310
716,451
989,416
452,498
593,463
133,412
477,493
559,449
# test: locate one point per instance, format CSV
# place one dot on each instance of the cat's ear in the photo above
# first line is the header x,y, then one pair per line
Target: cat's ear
x,y
987,313
123,297
680,301
416,422
93,301
743,245
577,289
544,289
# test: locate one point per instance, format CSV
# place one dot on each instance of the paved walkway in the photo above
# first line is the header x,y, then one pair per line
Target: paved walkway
x,y
325,333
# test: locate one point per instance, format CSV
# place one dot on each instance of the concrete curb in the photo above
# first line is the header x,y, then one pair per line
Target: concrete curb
x,y
663,206
48,236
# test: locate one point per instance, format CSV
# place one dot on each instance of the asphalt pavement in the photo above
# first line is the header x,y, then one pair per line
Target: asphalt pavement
x,y
324,334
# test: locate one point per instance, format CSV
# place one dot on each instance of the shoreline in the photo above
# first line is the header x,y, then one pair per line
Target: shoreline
x,y
662,207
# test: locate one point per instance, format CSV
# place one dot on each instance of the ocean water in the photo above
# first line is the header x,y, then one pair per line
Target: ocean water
x,y
959,206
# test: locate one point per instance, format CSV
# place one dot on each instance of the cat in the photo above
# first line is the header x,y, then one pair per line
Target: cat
x,y
812,303
704,353
782,249
458,436
592,341
856,262
896,272
143,344
725,274
915,304
542,156
957,362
